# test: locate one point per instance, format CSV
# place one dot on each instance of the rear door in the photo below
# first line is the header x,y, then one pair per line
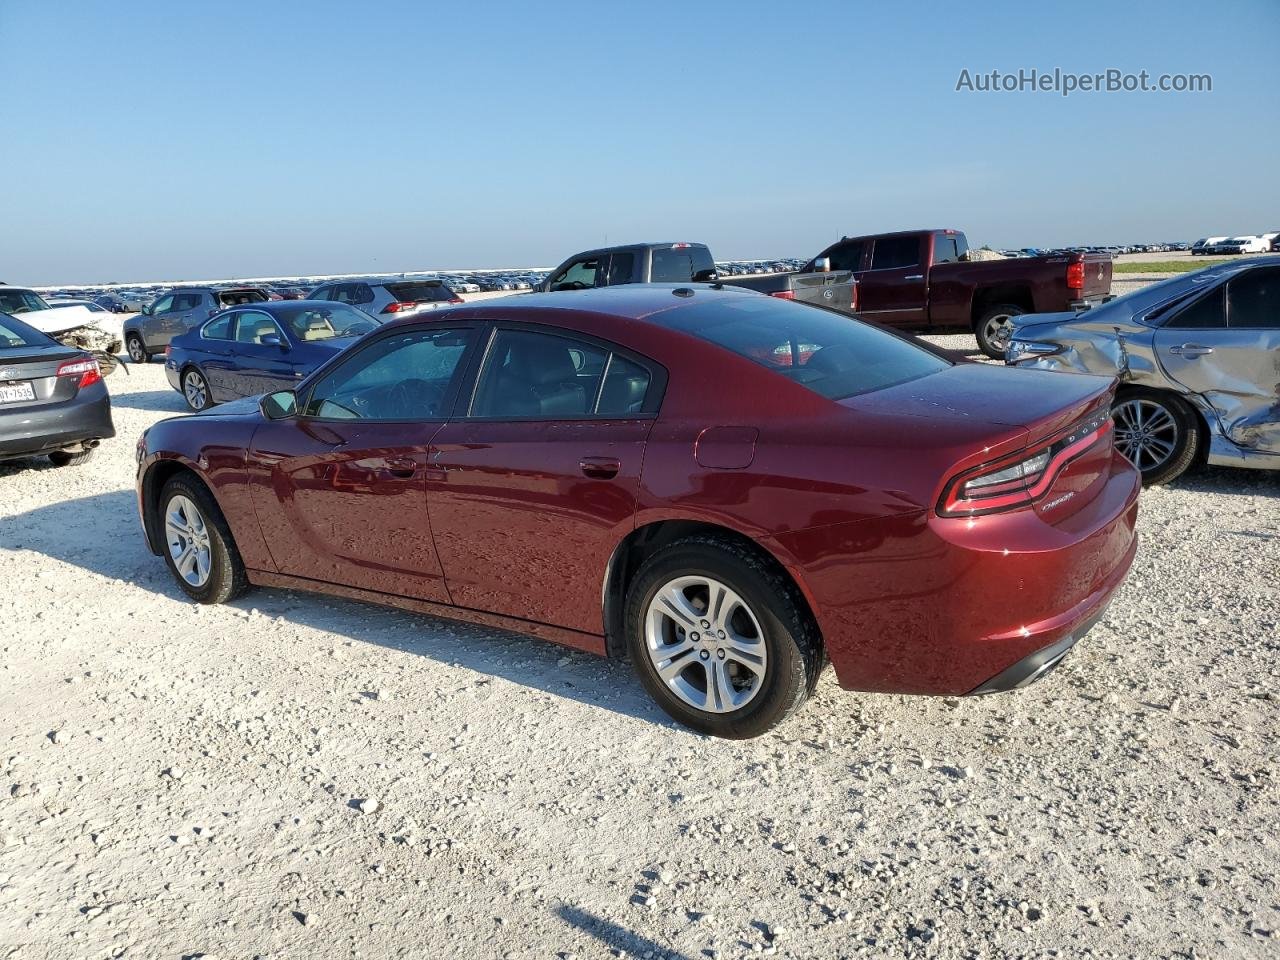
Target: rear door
x,y
1226,347
893,290
535,481
343,499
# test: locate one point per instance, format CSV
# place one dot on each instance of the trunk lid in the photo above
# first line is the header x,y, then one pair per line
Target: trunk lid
x,y
29,376
1098,268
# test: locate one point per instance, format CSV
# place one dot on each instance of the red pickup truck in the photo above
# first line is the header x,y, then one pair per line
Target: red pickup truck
x,y
925,279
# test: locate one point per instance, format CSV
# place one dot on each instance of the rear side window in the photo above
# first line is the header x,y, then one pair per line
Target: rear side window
x,y
681,264
945,249
1253,300
219,329
233,298
826,352
186,301
895,252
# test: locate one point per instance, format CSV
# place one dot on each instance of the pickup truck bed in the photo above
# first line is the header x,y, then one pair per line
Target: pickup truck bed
x,y
834,289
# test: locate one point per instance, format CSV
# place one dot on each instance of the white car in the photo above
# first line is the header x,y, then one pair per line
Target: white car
x,y
1245,245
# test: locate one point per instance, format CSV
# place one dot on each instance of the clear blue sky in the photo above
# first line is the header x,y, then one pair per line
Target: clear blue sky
x,y
152,140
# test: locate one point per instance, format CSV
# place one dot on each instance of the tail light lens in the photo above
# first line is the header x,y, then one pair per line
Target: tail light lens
x,y
456,299
1022,478
85,371
398,307
1075,276
784,294
168,351
853,297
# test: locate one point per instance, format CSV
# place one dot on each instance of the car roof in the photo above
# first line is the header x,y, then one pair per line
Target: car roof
x,y
273,307
638,302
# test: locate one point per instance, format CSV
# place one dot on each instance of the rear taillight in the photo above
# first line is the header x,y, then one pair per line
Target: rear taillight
x,y
398,307
168,351
1022,478
853,297
86,371
456,299
1075,276
784,294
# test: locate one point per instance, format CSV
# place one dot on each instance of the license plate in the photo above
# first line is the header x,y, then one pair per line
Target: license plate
x,y
16,392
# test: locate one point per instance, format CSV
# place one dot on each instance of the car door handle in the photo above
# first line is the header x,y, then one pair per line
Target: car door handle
x,y
915,276
1190,350
600,468
401,467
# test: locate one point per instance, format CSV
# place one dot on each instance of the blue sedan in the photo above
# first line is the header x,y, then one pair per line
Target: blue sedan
x,y
259,348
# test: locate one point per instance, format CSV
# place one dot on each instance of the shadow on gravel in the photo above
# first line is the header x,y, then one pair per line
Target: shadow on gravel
x,y
102,534
166,400
1235,481
614,936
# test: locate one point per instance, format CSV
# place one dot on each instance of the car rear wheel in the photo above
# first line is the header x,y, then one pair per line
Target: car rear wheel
x,y
993,329
137,350
1156,432
196,390
197,543
720,638
69,458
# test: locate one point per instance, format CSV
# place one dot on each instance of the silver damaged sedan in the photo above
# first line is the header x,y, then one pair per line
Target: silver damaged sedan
x,y
1198,357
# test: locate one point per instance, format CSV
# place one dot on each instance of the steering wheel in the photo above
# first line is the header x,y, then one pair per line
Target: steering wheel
x,y
573,285
413,398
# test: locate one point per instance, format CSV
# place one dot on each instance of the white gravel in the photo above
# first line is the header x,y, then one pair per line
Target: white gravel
x,y
196,782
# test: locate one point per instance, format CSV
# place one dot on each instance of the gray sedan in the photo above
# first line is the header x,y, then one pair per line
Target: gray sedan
x,y
1198,357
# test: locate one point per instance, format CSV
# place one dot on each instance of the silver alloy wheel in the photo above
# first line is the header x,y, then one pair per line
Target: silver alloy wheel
x,y
188,537
137,352
998,331
706,644
1146,432
195,390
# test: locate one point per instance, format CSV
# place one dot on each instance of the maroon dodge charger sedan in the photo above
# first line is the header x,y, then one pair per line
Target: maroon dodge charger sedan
x,y
728,488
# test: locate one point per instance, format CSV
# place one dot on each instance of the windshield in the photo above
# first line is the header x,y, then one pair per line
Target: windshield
x,y
328,322
13,300
824,351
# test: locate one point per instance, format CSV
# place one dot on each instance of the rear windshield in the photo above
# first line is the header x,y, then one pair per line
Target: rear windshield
x,y
233,298
420,292
15,333
20,301
328,322
829,353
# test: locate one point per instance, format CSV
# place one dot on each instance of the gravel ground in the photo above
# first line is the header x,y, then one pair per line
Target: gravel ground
x,y
292,776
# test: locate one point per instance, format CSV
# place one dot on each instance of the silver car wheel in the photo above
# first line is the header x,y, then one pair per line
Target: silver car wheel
x,y
137,352
1146,433
188,538
998,331
195,390
706,644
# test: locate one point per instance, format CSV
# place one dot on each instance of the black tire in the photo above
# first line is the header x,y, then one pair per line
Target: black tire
x,y
795,655
68,458
227,578
193,375
1184,434
136,348
985,328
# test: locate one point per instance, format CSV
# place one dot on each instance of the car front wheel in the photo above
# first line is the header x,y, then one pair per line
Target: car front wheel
x,y
720,637
198,547
1156,432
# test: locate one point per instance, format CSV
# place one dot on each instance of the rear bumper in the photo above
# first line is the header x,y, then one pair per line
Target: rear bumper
x,y
1038,665
1087,303
171,374
37,430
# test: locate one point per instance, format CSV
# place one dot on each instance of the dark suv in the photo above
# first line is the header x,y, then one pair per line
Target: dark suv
x,y
174,313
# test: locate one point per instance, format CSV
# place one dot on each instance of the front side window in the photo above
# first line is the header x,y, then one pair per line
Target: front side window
x,y
579,275
846,255
895,253
1253,300
253,327
163,305
405,377
824,351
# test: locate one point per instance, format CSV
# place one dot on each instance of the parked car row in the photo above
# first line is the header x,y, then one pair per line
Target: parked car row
x,y
1262,243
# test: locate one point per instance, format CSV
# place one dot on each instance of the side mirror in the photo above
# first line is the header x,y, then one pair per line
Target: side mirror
x,y
280,405
705,276
822,265
272,340
146,310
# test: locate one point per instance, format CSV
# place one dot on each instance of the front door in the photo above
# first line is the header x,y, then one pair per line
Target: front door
x,y
342,486
260,356
534,487
1226,347
893,291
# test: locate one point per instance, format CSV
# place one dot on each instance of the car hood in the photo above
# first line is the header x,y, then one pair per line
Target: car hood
x,y
59,319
